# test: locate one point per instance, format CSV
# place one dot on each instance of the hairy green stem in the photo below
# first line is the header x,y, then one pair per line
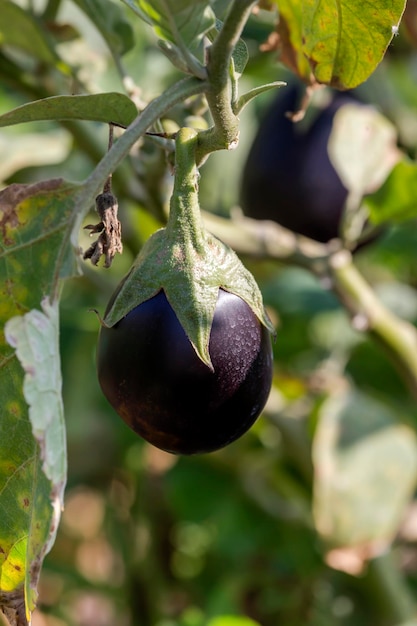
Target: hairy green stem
x,y
184,220
224,134
155,109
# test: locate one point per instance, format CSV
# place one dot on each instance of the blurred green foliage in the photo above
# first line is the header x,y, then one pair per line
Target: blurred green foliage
x,y
230,538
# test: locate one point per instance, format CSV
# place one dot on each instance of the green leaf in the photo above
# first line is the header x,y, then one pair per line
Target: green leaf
x,y
345,41
115,108
20,29
182,22
109,19
240,54
336,43
395,200
36,223
253,93
240,57
364,457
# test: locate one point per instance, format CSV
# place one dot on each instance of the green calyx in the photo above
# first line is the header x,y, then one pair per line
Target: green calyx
x,y
188,263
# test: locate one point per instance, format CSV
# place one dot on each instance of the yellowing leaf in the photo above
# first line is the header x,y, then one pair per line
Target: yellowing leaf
x,y
344,41
36,222
35,337
338,43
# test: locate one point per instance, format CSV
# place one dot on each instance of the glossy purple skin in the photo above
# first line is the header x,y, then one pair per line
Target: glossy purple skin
x,y
288,176
151,375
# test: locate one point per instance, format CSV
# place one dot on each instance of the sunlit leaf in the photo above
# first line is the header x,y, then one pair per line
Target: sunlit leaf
x,y
345,41
364,457
336,43
109,107
395,200
362,147
36,222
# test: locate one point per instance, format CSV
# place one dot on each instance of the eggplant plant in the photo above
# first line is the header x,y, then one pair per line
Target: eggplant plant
x,y
185,353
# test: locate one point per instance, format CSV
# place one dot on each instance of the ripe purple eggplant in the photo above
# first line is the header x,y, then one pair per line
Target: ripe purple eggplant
x,y
288,176
152,376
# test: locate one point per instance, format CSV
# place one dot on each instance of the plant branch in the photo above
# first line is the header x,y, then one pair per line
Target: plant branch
x,y
398,337
185,216
224,134
265,239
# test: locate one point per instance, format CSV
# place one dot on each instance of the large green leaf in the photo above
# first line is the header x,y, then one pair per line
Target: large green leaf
x,y
344,41
337,43
36,223
178,21
115,108
365,461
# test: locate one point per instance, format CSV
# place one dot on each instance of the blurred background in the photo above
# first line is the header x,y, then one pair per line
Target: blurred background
x,y
307,520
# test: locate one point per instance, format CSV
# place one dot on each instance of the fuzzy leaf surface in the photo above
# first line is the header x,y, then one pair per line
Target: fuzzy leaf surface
x,y
115,108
